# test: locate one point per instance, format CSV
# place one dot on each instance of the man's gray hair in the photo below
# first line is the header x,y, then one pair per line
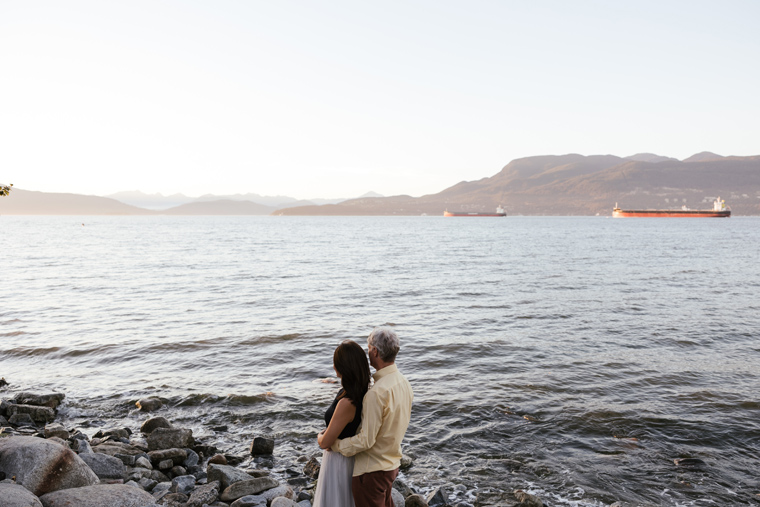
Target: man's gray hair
x,y
386,341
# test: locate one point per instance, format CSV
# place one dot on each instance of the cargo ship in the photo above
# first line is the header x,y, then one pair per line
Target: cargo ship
x,y
719,211
500,212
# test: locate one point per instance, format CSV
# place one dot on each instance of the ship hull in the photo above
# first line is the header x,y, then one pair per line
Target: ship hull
x,y
669,213
465,214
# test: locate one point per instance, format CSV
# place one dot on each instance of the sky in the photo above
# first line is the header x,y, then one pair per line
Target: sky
x,y
336,98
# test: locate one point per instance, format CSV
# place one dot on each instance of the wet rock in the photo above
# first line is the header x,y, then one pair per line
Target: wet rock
x,y
226,475
46,400
183,484
415,501
37,413
192,458
303,495
155,423
217,459
139,442
402,488
437,498
406,462
98,496
398,498
21,420
56,430
149,404
689,462
234,460
176,455
168,438
204,495
311,468
281,501
527,499
105,466
3,382
3,421
262,446
250,487
16,495
43,466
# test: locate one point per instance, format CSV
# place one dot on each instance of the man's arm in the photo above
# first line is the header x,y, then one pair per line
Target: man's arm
x,y
372,419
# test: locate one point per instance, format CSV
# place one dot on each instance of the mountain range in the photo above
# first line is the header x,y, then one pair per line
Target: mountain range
x,y
542,185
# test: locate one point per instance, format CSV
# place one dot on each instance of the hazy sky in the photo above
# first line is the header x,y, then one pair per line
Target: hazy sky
x,y
336,98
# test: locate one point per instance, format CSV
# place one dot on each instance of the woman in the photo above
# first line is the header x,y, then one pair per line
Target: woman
x,y
342,419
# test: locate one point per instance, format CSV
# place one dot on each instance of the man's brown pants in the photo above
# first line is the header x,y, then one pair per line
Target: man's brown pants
x,y
374,489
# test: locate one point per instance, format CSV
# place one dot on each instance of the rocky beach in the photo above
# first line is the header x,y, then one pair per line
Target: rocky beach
x,y
45,463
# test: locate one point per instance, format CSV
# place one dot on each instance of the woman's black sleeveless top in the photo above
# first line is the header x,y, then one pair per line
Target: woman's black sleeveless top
x,y
350,429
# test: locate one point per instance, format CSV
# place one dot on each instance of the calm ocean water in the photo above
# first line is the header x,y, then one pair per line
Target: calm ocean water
x,y
576,358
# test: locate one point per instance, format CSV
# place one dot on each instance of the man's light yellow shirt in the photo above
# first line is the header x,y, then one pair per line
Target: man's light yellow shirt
x,y
386,410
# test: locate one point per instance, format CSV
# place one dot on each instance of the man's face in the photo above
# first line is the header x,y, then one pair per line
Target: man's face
x,y
372,353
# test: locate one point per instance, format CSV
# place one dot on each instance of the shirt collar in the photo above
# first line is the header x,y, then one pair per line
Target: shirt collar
x,y
385,371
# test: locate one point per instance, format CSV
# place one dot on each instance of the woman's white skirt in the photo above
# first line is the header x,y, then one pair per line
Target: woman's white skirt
x,y
334,482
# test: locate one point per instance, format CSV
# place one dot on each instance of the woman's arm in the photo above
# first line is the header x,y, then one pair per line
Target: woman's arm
x,y
344,414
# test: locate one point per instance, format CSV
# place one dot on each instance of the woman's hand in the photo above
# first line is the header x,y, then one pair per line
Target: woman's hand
x,y
320,437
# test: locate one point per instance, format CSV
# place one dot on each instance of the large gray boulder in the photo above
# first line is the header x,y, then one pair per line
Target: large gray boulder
x,y
38,414
42,466
250,487
169,438
105,466
111,495
398,498
226,475
15,495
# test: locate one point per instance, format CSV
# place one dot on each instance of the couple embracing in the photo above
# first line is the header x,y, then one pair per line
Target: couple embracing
x,y
365,426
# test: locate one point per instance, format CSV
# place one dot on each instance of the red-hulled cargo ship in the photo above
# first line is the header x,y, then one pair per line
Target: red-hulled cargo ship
x,y
500,212
719,211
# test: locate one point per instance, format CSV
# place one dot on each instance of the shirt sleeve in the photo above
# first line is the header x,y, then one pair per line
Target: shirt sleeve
x,y
372,418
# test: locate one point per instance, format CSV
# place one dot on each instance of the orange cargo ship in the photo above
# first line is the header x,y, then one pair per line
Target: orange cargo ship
x,y
500,212
719,211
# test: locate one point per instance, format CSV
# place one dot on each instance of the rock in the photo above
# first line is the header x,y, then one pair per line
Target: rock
x,y
177,456
406,462
281,501
3,421
47,400
402,488
311,468
192,458
138,442
144,462
38,414
415,501
689,462
262,445
304,503
135,474
159,476
42,466
155,423
178,470
105,466
120,495
204,495
527,499
129,460
165,464
255,472
81,446
113,448
250,487
147,484
16,495
250,501
398,498
149,404
56,430
226,475
217,459
21,420
169,438
437,498
173,500
183,484
282,490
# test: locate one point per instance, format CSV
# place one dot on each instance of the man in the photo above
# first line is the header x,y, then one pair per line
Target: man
x,y
386,411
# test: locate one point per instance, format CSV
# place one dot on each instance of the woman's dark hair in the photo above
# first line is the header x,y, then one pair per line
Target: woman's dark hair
x,y
350,361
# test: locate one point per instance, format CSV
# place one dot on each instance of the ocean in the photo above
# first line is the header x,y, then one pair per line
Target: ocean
x,y
576,358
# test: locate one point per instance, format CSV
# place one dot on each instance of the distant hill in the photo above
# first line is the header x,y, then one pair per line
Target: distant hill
x,y
580,185
27,202
150,201
220,207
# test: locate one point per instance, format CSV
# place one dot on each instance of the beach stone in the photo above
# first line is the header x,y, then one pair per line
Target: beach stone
x,y
183,484
113,495
437,498
159,476
105,466
283,490
112,448
205,494
129,460
143,462
57,441
398,498
262,445
173,500
311,468
250,501
406,462
170,438
37,413
527,499
16,495
165,464
3,421
150,404
42,466
402,488
155,423
415,501
226,475
81,446
192,458
217,459
304,503
135,474
139,442
249,487
178,470
147,484
56,430
176,455
21,420
281,501
47,400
